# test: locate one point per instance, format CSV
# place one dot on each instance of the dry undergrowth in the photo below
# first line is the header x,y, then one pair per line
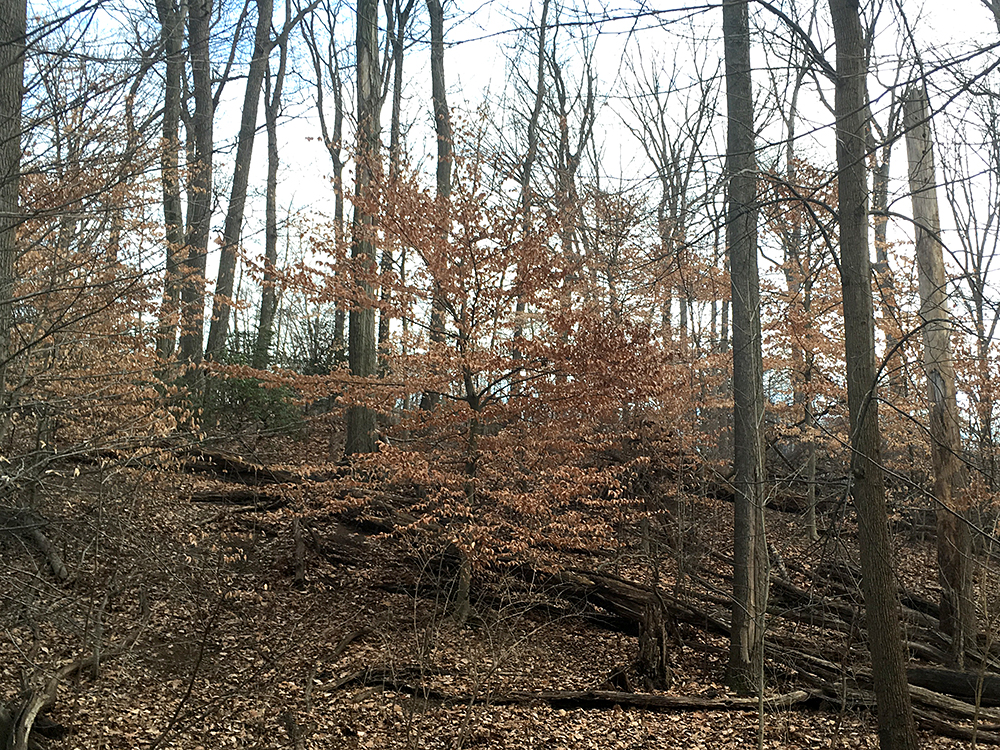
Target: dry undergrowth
x,y
232,654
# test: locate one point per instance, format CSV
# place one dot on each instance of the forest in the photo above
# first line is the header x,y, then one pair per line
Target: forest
x,y
397,374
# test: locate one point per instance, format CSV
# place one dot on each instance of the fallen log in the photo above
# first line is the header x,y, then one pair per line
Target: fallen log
x,y
964,685
579,698
263,499
237,468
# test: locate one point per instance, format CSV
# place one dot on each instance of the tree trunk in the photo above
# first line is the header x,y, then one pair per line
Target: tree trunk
x,y
883,274
361,327
172,37
882,611
13,29
958,613
269,295
199,193
395,148
750,574
223,301
442,128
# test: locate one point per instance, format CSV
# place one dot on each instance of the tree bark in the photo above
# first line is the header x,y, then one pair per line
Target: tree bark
x,y
954,542
269,294
361,327
750,574
13,30
172,36
402,14
223,301
882,611
442,129
199,192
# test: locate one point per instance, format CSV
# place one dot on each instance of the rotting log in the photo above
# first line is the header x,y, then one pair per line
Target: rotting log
x,y
958,684
586,699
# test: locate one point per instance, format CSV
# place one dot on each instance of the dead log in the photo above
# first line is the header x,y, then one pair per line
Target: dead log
x,y
29,525
237,468
578,698
20,726
256,498
964,685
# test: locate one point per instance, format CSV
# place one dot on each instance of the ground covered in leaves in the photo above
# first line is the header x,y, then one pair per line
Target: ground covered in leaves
x,y
211,643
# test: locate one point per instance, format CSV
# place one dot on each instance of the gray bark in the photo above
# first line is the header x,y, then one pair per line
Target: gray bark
x,y
222,304
361,327
402,14
269,295
442,129
199,193
750,573
13,29
171,20
954,541
882,610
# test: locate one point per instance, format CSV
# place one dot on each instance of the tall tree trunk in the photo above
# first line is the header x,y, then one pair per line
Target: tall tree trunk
x,y
882,612
361,327
883,274
750,574
172,36
223,301
442,128
395,147
199,193
954,542
13,31
269,294
334,147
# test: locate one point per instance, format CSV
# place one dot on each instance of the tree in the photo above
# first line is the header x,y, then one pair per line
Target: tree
x,y
672,122
171,21
199,194
750,573
13,30
361,331
399,15
957,609
443,132
882,613
273,86
219,328
328,66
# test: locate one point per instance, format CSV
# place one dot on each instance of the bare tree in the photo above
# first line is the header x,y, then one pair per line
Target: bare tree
x,y
325,58
13,30
957,609
882,611
361,343
273,85
171,20
442,129
199,198
750,572
401,14
222,304
672,119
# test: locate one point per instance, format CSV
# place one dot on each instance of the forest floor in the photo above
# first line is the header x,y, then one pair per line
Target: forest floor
x,y
222,649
